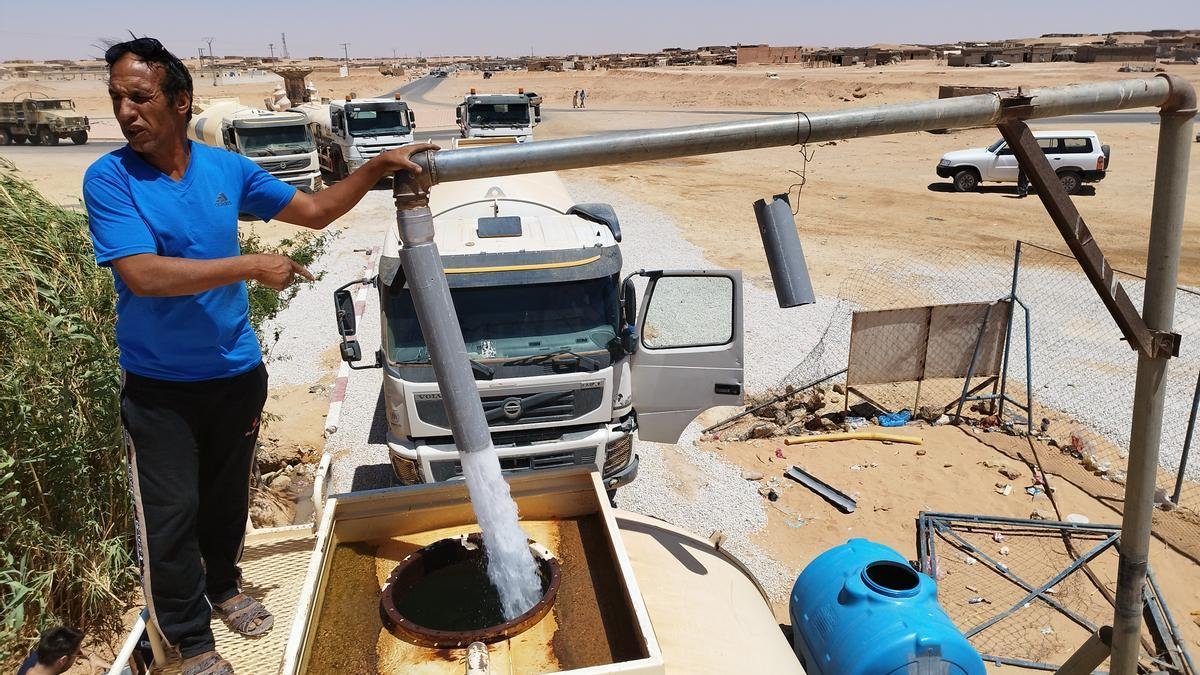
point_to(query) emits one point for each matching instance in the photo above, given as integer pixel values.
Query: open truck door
(689, 352)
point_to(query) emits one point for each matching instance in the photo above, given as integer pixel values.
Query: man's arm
(150, 275)
(318, 210)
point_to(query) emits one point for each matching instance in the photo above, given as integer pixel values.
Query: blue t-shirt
(135, 208)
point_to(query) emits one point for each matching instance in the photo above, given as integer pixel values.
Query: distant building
(767, 55)
(1110, 53)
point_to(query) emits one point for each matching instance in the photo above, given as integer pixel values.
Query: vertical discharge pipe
(1158, 310)
(785, 255)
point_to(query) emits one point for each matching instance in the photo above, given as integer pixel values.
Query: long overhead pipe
(779, 130)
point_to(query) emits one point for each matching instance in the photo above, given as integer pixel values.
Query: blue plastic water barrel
(860, 608)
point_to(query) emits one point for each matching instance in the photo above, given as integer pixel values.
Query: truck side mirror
(351, 351)
(629, 338)
(343, 304)
(537, 114)
(412, 120)
(458, 116)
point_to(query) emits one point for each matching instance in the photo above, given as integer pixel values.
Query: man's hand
(399, 159)
(278, 271)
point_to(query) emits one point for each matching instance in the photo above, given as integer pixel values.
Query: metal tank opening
(440, 596)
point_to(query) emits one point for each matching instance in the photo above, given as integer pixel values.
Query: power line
(271, 46)
(346, 52)
(283, 38)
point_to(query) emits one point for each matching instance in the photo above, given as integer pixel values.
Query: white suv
(1076, 156)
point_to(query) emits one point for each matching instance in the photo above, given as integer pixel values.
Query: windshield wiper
(539, 358)
(483, 369)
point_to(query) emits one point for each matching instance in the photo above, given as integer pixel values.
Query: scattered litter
(779, 453)
(921, 452)
(978, 599)
(845, 503)
(856, 422)
(896, 419)
(1011, 474)
(947, 466)
(1041, 515)
(997, 537)
(768, 492)
(1046, 630)
(972, 588)
(1077, 518)
(882, 508)
(1004, 488)
(856, 467)
(1003, 550)
(1033, 491)
(854, 436)
(968, 561)
(752, 475)
(941, 420)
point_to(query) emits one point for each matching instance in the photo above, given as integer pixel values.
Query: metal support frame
(962, 398)
(1165, 633)
(1187, 443)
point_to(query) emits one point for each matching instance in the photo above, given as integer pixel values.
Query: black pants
(190, 447)
(1022, 183)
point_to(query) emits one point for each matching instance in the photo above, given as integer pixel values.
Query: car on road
(1077, 157)
(998, 63)
(534, 99)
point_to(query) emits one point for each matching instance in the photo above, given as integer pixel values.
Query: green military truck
(41, 121)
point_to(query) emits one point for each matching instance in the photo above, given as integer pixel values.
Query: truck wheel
(34, 139)
(5, 138)
(79, 137)
(47, 137)
(966, 180)
(1070, 182)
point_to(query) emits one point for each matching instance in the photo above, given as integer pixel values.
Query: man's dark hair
(57, 643)
(176, 78)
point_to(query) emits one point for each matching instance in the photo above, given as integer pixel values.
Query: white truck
(566, 367)
(279, 142)
(497, 115)
(350, 132)
(1076, 156)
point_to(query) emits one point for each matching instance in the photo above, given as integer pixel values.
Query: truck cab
(567, 365)
(42, 121)
(278, 141)
(495, 115)
(349, 133)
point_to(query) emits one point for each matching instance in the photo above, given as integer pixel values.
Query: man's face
(150, 121)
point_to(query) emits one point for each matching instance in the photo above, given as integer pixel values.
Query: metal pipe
(1158, 308)
(121, 660)
(1090, 655)
(781, 130)
(439, 325)
(1187, 442)
(785, 255)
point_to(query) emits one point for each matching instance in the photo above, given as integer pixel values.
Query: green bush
(66, 551)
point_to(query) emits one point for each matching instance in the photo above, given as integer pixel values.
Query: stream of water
(511, 567)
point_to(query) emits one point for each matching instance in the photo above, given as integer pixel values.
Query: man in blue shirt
(163, 215)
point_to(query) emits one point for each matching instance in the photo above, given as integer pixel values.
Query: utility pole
(283, 38)
(346, 53)
(271, 46)
(212, 62)
(393, 53)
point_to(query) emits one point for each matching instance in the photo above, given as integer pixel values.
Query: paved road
(415, 91)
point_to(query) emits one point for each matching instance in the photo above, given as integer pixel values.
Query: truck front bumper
(946, 171)
(624, 476)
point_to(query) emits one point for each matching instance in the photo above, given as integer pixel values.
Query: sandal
(241, 612)
(208, 663)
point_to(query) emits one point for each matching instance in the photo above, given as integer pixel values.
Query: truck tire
(5, 138)
(47, 137)
(1071, 182)
(79, 137)
(34, 139)
(966, 180)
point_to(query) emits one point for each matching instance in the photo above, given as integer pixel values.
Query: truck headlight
(944, 162)
(616, 455)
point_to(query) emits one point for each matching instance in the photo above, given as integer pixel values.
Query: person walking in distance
(582, 98)
(163, 214)
(575, 99)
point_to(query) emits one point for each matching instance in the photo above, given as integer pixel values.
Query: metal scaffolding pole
(1158, 310)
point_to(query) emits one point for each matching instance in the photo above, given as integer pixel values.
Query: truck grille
(285, 165)
(452, 468)
(507, 410)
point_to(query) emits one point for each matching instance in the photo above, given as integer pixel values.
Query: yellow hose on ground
(853, 436)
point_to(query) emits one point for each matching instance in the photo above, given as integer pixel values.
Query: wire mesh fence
(1029, 593)
(1063, 345)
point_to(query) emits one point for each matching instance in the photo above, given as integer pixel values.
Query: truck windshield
(507, 322)
(292, 139)
(499, 115)
(378, 121)
(54, 105)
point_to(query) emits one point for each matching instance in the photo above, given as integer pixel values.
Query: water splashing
(511, 567)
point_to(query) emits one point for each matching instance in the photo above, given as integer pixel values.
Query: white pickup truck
(1076, 156)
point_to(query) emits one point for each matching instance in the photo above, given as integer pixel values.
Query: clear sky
(48, 29)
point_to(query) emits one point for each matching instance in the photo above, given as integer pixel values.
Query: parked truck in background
(41, 121)
(350, 132)
(567, 368)
(494, 115)
(279, 142)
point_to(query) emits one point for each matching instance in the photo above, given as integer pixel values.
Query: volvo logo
(512, 408)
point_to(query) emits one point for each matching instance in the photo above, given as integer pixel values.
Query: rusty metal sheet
(887, 346)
